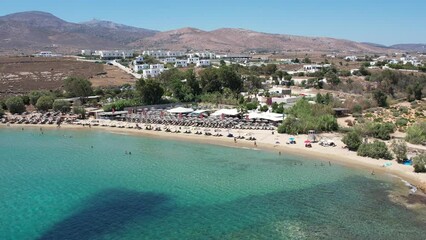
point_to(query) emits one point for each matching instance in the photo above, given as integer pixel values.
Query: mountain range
(28, 32)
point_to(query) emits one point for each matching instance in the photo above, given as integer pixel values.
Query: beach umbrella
(307, 141)
(291, 139)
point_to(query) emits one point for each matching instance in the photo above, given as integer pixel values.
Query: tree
(416, 134)
(26, 99)
(150, 91)
(417, 91)
(78, 87)
(399, 148)
(1, 112)
(62, 106)
(44, 103)
(15, 105)
(269, 69)
(210, 80)
(230, 79)
(380, 97)
(419, 163)
(35, 95)
(352, 140)
(376, 149)
(288, 77)
(332, 78)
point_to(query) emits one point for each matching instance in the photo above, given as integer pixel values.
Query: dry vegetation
(20, 75)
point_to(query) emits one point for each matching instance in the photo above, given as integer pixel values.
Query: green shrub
(416, 134)
(79, 110)
(357, 109)
(264, 108)
(1, 112)
(26, 99)
(3, 104)
(15, 105)
(419, 163)
(44, 103)
(376, 150)
(401, 122)
(304, 116)
(353, 140)
(62, 106)
(251, 105)
(376, 130)
(399, 148)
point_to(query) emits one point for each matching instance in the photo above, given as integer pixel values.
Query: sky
(378, 21)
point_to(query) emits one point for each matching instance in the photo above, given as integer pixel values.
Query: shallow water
(56, 186)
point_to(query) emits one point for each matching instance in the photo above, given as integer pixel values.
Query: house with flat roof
(203, 63)
(181, 63)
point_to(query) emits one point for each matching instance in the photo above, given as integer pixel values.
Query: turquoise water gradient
(56, 186)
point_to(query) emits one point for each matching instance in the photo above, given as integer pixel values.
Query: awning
(226, 112)
(180, 110)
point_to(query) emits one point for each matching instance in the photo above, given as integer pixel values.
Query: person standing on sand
(235, 140)
(255, 144)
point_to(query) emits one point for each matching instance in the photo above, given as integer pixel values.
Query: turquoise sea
(81, 185)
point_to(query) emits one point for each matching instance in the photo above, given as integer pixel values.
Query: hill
(410, 47)
(28, 32)
(34, 31)
(242, 40)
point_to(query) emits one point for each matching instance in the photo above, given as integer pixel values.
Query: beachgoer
(329, 163)
(255, 144)
(235, 140)
(279, 153)
(372, 173)
(130, 153)
(91, 146)
(22, 129)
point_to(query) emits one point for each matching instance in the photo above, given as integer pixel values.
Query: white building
(103, 54)
(140, 67)
(351, 58)
(181, 63)
(155, 53)
(138, 60)
(169, 60)
(152, 72)
(206, 55)
(162, 54)
(279, 91)
(192, 60)
(44, 54)
(174, 54)
(393, 61)
(312, 68)
(156, 66)
(86, 52)
(203, 63)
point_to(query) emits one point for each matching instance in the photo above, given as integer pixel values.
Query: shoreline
(266, 141)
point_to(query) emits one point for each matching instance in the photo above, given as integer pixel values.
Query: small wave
(413, 189)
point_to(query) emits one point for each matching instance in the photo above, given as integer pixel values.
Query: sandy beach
(265, 140)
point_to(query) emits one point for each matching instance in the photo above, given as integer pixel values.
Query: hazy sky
(379, 21)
